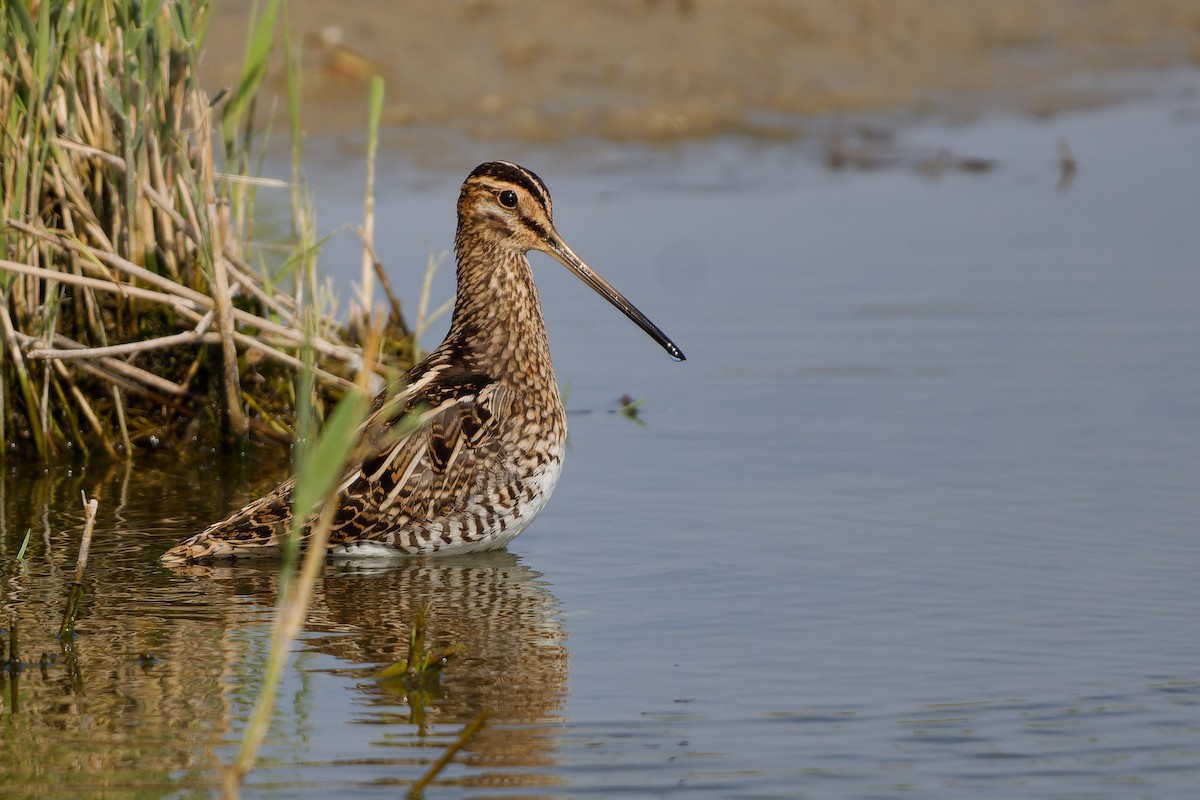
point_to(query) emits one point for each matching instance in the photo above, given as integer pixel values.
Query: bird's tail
(251, 532)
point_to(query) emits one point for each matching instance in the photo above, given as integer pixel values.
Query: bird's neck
(498, 317)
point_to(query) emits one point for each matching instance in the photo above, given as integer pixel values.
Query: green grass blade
(260, 40)
(324, 462)
(24, 544)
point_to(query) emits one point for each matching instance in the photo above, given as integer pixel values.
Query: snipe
(488, 449)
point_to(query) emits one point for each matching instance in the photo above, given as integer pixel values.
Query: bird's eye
(508, 198)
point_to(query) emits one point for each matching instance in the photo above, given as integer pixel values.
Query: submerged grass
(417, 677)
(136, 306)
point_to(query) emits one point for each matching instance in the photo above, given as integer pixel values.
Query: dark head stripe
(511, 173)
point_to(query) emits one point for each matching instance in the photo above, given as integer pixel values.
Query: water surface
(917, 518)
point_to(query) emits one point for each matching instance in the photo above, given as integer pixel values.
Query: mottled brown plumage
(487, 450)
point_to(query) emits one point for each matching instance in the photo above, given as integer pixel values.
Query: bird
(481, 430)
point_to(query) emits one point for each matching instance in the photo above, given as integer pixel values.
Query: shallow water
(916, 518)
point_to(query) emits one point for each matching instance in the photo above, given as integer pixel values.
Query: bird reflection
(497, 613)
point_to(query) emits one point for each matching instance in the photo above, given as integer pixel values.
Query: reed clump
(136, 306)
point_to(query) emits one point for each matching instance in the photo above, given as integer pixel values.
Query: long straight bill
(558, 249)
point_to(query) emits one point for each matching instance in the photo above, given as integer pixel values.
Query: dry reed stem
(127, 289)
(112, 368)
(174, 392)
(241, 273)
(218, 231)
(175, 340)
(397, 315)
(85, 544)
(344, 353)
(122, 426)
(18, 360)
(75, 594)
(184, 307)
(98, 256)
(198, 335)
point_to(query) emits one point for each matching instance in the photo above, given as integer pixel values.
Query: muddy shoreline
(678, 70)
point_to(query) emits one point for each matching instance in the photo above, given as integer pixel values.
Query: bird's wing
(414, 487)
(449, 448)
